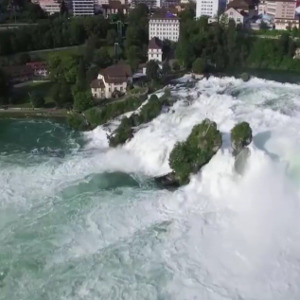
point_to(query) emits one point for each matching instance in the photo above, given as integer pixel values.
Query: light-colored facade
(114, 7)
(83, 7)
(282, 13)
(155, 51)
(261, 9)
(50, 6)
(111, 81)
(208, 8)
(155, 54)
(164, 28)
(233, 14)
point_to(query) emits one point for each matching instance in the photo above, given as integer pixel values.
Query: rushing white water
(68, 231)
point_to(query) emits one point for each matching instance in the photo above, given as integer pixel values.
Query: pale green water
(55, 241)
(80, 221)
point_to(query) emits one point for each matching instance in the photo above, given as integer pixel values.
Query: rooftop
(97, 83)
(240, 4)
(155, 43)
(163, 15)
(116, 73)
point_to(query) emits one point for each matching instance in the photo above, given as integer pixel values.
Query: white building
(164, 27)
(238, 17)
(83, 7)
(111, 82)
(155, 51)
(50, 6)
(208, 8)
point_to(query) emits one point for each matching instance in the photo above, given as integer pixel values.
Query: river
(79, 220)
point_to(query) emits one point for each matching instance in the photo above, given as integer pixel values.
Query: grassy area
(21, 93)
(40, 55)
(44, 54)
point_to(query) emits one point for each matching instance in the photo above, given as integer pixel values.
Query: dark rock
(168, 181)
(245, 77)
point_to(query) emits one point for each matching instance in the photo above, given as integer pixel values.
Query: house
(111, 81)
(19, 74)
(238, 17)
(282, 12)
(39, 69)
(155, 51)
(83, 7)
(114, 7)
(164, 26)
(209, 8)
(246, 6)
(50, 6)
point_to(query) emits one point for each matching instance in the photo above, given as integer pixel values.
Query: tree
(63, 8)
(152, 70)
(4, 88)
(176, 66)
(198, 66)
(166, 70)
(241, 136)
(36, 100)
(102, 58)
(188, 157)
(133, 56)
(83, 101)
(111, 37)
(63, 67)
(61, 94)
(263, 26)
(89, 49)
(81, 84)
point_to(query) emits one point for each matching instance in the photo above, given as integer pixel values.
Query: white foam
(229, 236)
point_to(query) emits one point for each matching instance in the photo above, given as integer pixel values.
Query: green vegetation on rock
(241, 136)
(100, 115)
(147, 113)
(123, 133)
(188, 157)
(198, 66)
(245, 77)
(77, 121)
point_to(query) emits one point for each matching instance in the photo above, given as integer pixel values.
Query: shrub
(77, 121)
(37, 100)
(122, 133)
(188, 157)
(83, 101)
(241, 136)
(98, 116)
(198, 66)
(176, 66)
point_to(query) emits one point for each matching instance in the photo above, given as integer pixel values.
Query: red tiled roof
(155, 43)
(116, 73)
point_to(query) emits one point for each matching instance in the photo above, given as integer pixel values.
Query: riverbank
(33, 113)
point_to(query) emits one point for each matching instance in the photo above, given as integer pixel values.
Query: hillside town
(86, 49)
